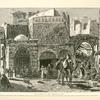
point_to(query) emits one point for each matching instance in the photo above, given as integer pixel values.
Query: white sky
(6, 16)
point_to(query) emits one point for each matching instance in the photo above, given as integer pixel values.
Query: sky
(6, 13)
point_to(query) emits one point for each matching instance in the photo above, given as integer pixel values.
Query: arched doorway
(84, 52)
(48, 61)
(84, 59)
(47, 57)
(22, 63)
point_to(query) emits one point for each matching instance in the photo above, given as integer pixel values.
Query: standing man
(43, 72)
(58, 68)
(82, 70)
(67, 70)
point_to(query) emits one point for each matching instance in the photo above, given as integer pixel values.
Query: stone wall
(94, 28)
(50, 33)
(56, 49)
(14, 30)
(31, 46)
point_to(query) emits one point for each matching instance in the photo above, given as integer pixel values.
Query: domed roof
(21, 37)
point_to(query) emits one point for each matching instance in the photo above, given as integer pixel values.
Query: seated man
(5, 82)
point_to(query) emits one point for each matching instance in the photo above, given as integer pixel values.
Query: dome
(21, 37)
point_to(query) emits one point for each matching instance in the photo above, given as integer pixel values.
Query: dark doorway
(49, 58)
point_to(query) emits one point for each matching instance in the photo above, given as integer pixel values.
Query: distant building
(83, 25)
(43, 38)
(19, 18)
(39, 42)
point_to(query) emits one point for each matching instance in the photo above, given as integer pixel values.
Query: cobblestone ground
(38, 85)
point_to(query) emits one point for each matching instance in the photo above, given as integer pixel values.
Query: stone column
(11, 60)
(1, 61)
(38, 65)
(7, 57)
(34, 59)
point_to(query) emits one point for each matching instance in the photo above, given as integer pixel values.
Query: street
(38, 85)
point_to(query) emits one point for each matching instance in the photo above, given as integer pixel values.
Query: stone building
(19, 18)
(83, 25)
(42, 39)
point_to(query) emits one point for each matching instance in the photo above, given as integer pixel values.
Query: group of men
(65, 69)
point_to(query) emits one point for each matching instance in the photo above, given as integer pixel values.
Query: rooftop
(18, 12)
(51, 12)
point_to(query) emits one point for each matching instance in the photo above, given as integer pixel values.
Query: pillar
(11, 60)
(34, 60)
(7, 57)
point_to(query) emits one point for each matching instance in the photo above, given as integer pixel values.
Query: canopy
(21, 37)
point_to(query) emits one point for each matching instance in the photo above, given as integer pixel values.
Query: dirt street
(38, 85)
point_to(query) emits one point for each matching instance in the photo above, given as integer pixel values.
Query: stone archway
(77, 42)
(79, 39)
(84, 60)
(85, 50)
(48, 60)
(47, 57)
(22, 62)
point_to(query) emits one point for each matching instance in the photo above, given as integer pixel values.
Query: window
(84, 26)
(76, 22)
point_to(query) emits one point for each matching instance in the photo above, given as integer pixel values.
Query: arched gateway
(22, 62)
(47, 57)
(84, 51)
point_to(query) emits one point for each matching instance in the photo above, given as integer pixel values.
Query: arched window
(85, 26)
